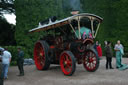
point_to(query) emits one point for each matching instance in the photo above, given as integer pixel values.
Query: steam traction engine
(68, 41)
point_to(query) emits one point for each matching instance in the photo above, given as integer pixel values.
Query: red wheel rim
(90, 61)
(66, 63)
(39, 56)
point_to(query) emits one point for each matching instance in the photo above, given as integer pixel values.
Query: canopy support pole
(92, 27)
(72, 28)
(79, 27)
(97, 29)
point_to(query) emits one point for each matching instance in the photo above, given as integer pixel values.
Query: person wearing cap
(20, 61)
(6, 59)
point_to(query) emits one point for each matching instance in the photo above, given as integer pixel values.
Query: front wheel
(67, 63)
(91, 60)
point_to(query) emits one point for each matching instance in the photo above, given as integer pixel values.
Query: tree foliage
(29, 13)
(7, 32)
(7, 6)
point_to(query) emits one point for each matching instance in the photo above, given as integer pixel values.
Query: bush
(13, 63)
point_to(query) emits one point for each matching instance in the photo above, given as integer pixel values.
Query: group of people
(84, 33)
(5, 59)
(119, 50)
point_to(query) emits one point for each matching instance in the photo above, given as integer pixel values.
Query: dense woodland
(30, 12)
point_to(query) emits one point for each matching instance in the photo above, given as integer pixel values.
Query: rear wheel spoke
(90, 61)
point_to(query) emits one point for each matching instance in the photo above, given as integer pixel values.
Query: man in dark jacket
(20, 61)
(109, 55)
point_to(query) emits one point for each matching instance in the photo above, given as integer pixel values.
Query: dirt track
(54, 76)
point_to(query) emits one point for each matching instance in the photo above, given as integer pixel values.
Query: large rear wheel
(67, 63)
(91, 60)
(41, 58)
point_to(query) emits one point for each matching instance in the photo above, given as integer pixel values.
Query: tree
(6, 30)
(6, 33)
(7, 6)
(29, 13)
(121, 20)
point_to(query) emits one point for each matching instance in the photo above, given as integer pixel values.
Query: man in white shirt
(6, 58)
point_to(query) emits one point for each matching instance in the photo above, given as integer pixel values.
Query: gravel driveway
(54, 76)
